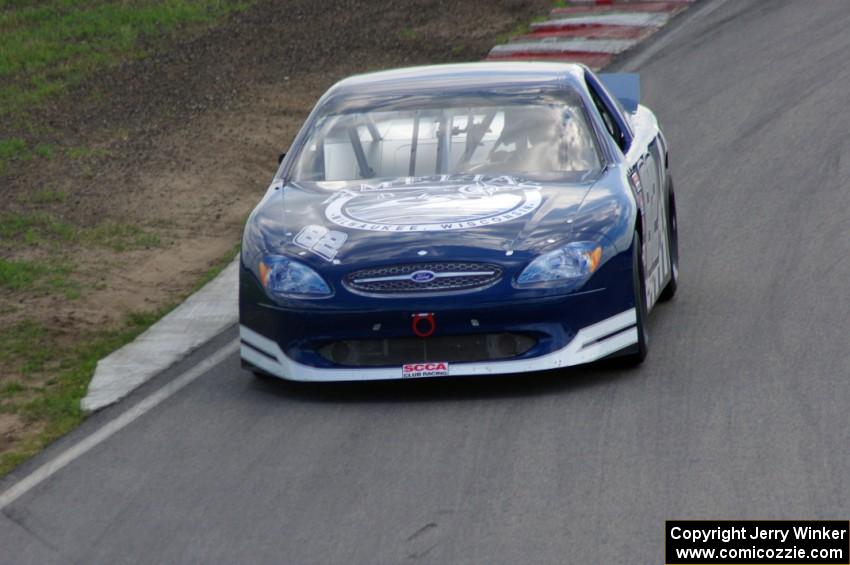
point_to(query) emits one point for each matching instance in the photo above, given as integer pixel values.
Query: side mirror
(280, 158)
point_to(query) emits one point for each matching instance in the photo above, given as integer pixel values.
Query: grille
(424, 277)
(451, 349)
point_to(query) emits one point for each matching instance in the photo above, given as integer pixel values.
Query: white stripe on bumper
(590, 343)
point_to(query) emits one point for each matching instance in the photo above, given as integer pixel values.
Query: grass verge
(35, 229)
(50, 408)
(47, 47)
(36, 276)
(53, 408)
(49, 44)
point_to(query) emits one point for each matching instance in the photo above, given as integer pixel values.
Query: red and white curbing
(592, 32)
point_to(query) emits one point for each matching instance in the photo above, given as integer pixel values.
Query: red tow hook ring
(426, 319)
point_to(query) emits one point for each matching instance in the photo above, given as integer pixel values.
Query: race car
(466, 219)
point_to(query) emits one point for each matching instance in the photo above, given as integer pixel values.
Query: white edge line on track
(112, 427)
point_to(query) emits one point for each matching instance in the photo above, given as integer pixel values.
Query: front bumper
(287, 340)
(590, 343)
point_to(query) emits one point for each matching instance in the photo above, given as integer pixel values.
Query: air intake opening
(453, 349)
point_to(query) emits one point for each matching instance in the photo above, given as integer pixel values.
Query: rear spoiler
(625, 87)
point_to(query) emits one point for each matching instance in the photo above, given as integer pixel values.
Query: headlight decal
(572, 264)
(284, 277)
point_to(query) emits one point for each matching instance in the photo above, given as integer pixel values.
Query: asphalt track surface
(740, 411)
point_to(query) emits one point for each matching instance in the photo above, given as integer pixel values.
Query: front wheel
(641, 348)
(669, 291)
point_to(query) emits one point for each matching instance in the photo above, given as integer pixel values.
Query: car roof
(461, 77)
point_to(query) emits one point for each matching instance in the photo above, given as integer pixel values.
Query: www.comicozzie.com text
(726, 534)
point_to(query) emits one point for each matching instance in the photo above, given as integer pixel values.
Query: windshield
(530, 136)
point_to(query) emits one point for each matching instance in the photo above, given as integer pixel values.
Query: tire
(669, 291)
(262, 375)
(641, 348)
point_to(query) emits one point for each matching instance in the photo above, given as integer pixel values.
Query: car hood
(433, 218)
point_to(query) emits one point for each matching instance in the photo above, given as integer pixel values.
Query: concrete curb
(564, 46)
(201, 317)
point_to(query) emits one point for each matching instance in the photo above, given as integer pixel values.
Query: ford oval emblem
(422, 276)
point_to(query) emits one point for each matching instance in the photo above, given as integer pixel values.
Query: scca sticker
(419, 370)
(434, 204)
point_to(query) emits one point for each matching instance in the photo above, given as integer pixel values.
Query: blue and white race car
(466, 219)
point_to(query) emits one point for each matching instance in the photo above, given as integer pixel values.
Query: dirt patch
(180, 147)
(10, 425)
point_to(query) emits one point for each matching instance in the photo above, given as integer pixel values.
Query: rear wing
(625, 87)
